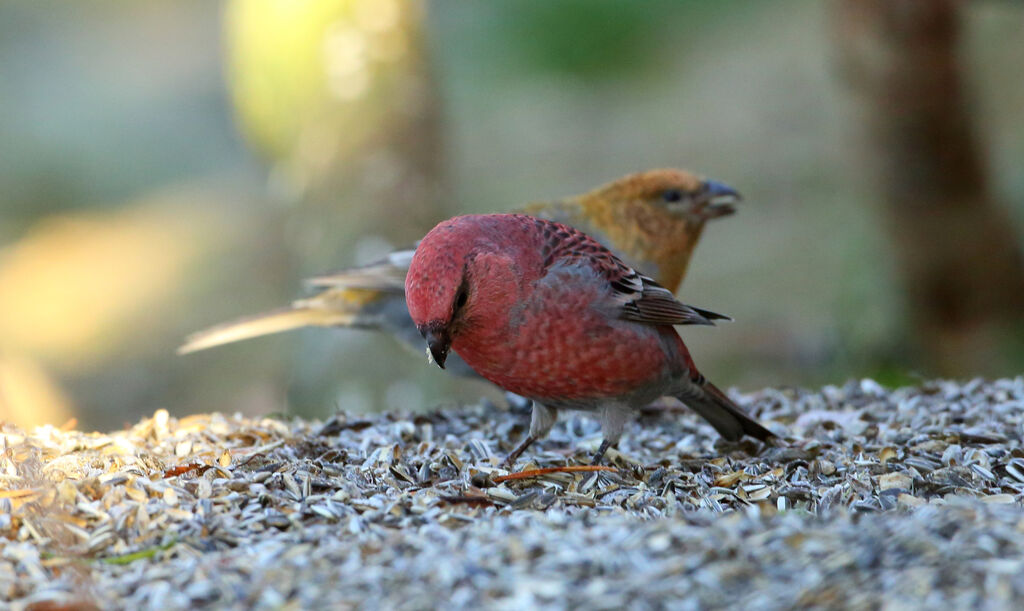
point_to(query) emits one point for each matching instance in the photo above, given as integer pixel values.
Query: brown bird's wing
(640, 298)
(387, 274)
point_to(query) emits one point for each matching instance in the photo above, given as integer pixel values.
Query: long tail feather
(276, 321)
(729, 419)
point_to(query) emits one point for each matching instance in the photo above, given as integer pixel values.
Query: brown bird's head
(652, 219)
(678, 193)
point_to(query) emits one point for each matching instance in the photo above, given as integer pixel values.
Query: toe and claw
(514, 455)
(510, 460)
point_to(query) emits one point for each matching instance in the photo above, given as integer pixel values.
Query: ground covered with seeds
(878, 498)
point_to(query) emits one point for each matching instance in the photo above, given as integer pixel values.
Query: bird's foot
(510, 460)
(599, 455)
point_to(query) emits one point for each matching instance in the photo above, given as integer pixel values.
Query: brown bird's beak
(715, 199)
(438, 343)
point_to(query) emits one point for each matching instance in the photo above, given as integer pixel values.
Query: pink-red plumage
(546, 312)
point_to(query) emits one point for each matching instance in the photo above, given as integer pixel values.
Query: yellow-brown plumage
(335, 307)
(628, 217)
(652, 220)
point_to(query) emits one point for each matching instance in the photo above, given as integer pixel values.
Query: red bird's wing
(644, 300)
(640, 298)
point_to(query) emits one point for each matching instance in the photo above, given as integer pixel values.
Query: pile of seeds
(876, 497)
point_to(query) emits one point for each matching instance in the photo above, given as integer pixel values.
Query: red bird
(546, 312)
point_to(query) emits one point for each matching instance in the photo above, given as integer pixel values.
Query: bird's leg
(517, 404)
(541, 421)
(614, 417)
(605, 444)
(510, 460)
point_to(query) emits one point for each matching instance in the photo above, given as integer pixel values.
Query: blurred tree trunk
(339, 97)
(955, 248)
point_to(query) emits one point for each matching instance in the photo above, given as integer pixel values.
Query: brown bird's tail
(330, 308)
(729, 419)
(367, 297)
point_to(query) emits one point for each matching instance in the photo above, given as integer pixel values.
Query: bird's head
(458, 262)
(678, 193)
(654, 219)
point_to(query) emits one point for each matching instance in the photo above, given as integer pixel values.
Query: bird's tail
(729, 419)
(330, 308)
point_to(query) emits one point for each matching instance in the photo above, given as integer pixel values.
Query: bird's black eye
(672, 195)
(460, 299)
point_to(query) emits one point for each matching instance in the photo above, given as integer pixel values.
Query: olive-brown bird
(652, 220)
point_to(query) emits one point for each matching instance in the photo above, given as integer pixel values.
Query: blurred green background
(167, 165)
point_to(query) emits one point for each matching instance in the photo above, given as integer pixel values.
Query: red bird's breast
(562, 343)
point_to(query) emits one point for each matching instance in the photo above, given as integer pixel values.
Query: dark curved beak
(438, 343)
(717, 199)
